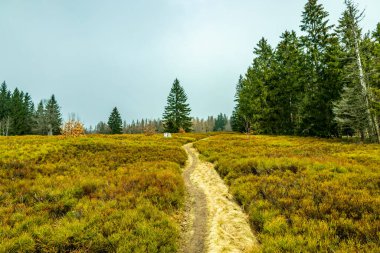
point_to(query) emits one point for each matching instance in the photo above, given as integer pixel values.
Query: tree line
(18, 115)
(324, 83)
(199, 125)
(176, 118)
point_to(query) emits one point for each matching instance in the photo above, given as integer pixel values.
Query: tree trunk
(50, 132)
(362, 136)
(7, 125)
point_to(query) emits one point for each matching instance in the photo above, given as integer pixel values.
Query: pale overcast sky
(95, 54)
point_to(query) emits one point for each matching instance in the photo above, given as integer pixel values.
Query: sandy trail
(213, 221)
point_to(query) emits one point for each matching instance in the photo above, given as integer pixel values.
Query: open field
(91, 194)
(303, 194)
(125, 193)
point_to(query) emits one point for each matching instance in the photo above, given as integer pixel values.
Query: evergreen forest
(324, 82)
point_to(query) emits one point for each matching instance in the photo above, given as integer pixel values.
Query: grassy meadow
(303, 194)
(120, 193)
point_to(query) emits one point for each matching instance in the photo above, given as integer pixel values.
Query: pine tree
(349, 112)
(177, 111)
(5, 114)
(114, 122)
(29, 120)
(18, 116)
(253, 96)
(4, 101)
(316, 107)
(53, 116)
(41, 122)
(286, 88)
(350, 35)
(220, 122)
(375, 77)
(315, 24)
(320, 84)
(237, 120)
(18, 112)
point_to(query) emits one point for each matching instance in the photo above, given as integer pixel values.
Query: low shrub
(303, 194)
(95, 193)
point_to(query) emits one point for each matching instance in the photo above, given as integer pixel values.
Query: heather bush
(303, 194)
(94, 193)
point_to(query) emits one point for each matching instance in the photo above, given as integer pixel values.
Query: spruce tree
(4, 101)
(177, 111)
(41, 124)
(355, 72)
(5, 114)
(350, 112)
(29, 120)
(53, 116)
(220, 122)
(375, 77)
(18, 112)
(114, 122)
(320, 91)
(287, 85)
(237, 119)
(315, 24)
(253, 96)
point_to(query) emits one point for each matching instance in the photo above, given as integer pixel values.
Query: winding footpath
(213, 222)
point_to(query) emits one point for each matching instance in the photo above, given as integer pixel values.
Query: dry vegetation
(91, 194)
(303, 194)
(73, 128)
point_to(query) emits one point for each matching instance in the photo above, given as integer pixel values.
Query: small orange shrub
(73, 128)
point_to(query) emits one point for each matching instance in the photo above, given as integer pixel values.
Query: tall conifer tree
(114, 122)
(358, 91)
(53, 116)
(287, 85)
(5, 105)
(18, 112)
(238, 123)
(41, 124)
(317, 105)
(220, 122)
(254, 93)
(29, 120)
(177, 110)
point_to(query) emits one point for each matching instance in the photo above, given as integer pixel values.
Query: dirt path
(213, 221)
